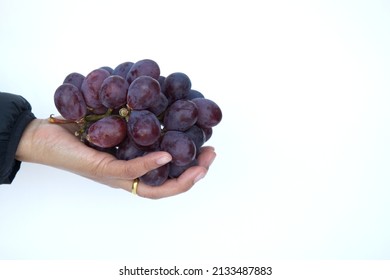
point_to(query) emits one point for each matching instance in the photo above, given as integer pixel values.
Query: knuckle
(130, 172)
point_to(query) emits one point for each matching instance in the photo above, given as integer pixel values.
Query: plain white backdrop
(303, 157)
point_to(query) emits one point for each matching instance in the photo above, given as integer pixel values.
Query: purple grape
(197, 135)
(143, 92)
(209, 113)
(160, 105)
(176, 86)
(91, 87)
(98, 111)
(122, 69)
(128, 150)
(69, 102)
(208, 132)
(111, 150)
(144, 127)
(161, 80)
(108, 69)
(151, 148)
(113, 92)
(75, 79)
(175, 170)
(145, 67)
(181, 115)
(194, 94)
(180, 146)
(156, 177)
(107, 132)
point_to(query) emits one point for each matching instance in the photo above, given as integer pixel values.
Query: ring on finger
(134, 186)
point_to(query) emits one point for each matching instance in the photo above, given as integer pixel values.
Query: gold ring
(134, 186)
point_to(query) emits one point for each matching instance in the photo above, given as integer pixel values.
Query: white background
(302, 170)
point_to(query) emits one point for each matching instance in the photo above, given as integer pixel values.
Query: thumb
(134, 168)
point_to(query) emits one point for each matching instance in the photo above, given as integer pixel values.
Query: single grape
(175, 170)
(194, 94)
(75, 79)
(208, 132)
(150, 148)
(108, 68)
(144, 67)
(156, 177)
(111, 150)
(91, 87)
(180, 146)
(161, 80)
(143, 92)
(98, 111)
(180, 115)
(209, 113)
(197, 135)
(107, 132)
(122, 69)
(159, 106)
(144, 127)
(113, 92)
(127, 150)
(69, 102)
(176, 86)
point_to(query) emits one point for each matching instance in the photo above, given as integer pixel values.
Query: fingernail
(199, 177)
(163, 160)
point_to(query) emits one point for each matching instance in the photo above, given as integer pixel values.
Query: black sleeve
(15, 115)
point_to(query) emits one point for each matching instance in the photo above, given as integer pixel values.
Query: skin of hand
(55, 145)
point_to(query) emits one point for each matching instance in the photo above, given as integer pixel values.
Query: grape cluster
(133, 110)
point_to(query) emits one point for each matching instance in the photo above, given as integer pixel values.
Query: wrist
(26, 149)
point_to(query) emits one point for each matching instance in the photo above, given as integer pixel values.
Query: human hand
(55, 145)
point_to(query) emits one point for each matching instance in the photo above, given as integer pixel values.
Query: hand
(55, 145)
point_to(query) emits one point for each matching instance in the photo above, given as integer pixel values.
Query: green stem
(93, 118)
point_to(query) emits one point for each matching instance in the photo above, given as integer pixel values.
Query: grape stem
(124, 112)
(82, 123)
(93, 118)
(87, 118)
(52, 119)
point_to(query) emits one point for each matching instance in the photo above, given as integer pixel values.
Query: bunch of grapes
(133, 110)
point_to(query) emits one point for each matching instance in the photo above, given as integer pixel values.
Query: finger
(185, 182)
(173, 186)
(206, 156)
(131, 169)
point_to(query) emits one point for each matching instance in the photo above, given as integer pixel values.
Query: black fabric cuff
(15, 115)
